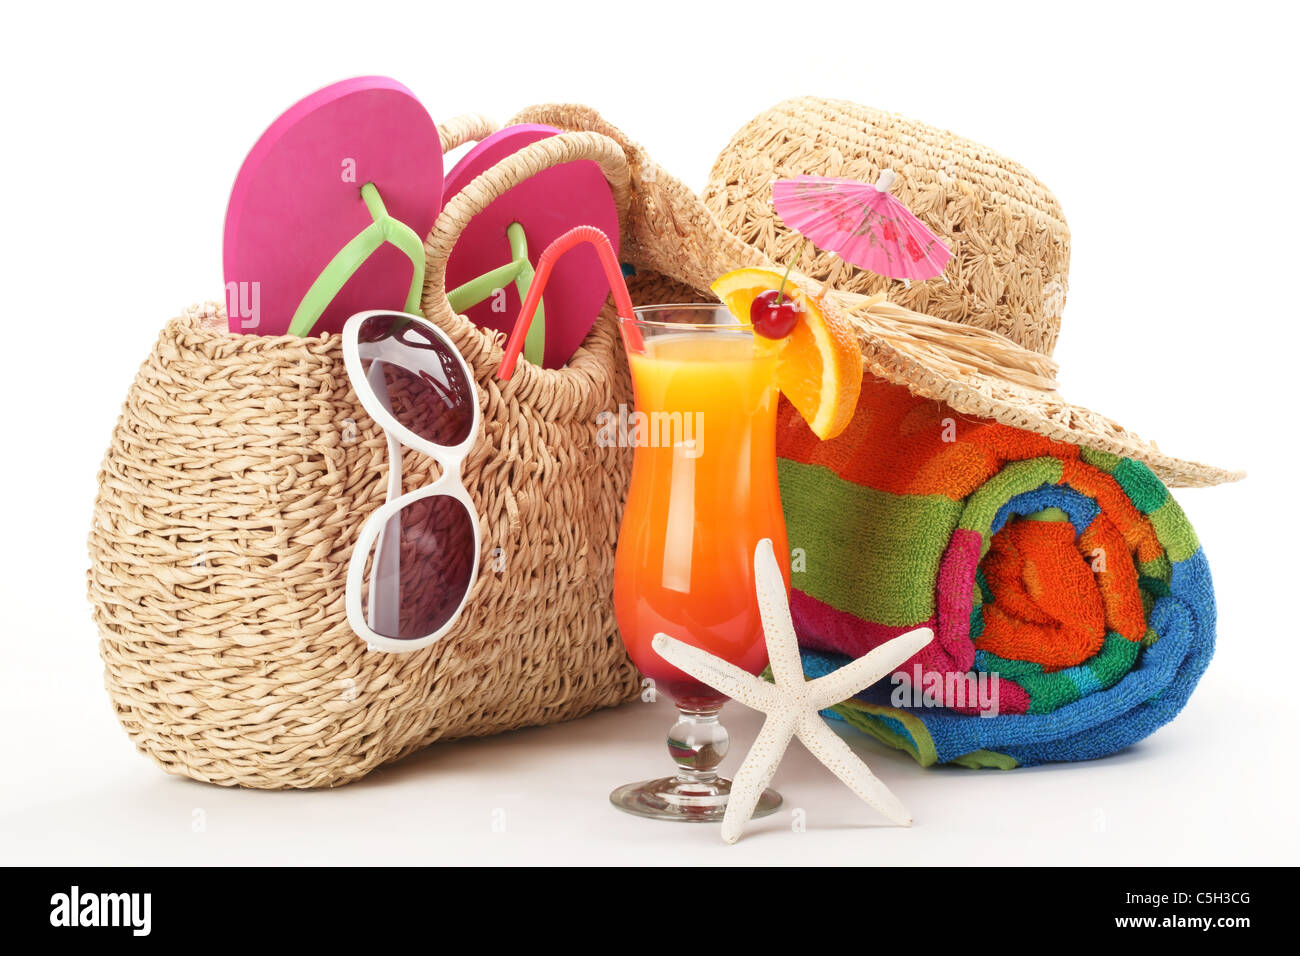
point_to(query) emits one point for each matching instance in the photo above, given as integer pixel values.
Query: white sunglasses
(414, 384)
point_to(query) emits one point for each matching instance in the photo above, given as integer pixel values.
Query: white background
(1167, 134)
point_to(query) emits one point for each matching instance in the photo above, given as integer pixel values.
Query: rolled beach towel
(1072, 605)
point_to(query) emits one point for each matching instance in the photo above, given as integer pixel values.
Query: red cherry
(770, 320)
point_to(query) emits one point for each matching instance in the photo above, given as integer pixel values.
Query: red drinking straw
(545, 262)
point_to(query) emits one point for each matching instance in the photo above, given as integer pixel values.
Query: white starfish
(792, 703)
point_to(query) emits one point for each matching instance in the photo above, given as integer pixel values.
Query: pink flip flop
(328, 213)
(495, 253)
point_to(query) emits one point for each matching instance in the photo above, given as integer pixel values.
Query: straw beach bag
(238, 477)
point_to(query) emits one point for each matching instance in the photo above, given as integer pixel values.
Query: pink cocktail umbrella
(862, 222)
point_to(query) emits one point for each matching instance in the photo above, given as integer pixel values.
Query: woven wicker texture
(238, 476)
(651, 288)
(1010, 243)
(978, 372)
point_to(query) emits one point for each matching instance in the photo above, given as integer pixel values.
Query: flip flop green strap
(344, 265)
(535, 343)
(519, 271)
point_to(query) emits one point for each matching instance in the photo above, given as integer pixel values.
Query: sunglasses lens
(419, 378)
(420, 569)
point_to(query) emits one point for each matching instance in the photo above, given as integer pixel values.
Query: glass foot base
(686, 801)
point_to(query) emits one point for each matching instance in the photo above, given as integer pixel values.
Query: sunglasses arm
(388, 548)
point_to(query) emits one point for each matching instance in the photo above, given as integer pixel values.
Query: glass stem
(698, 744)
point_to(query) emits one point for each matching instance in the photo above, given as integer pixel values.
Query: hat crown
(1008, 235)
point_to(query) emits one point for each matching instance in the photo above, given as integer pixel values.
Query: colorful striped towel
(1071, 602)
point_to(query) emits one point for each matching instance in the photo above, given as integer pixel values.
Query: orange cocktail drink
(703, 493)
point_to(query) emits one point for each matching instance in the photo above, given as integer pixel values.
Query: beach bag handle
(469, 128)
(489, 185)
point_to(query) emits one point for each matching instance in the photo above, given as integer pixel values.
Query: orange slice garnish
(819, 364)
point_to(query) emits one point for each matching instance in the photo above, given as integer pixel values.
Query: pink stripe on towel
(821, 627)
(955, 598)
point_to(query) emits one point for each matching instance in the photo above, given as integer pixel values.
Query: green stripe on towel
(883, 570)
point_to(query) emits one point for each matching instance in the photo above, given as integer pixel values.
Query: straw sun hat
(979, 339)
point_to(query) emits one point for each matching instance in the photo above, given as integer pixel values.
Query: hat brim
(668, 230)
